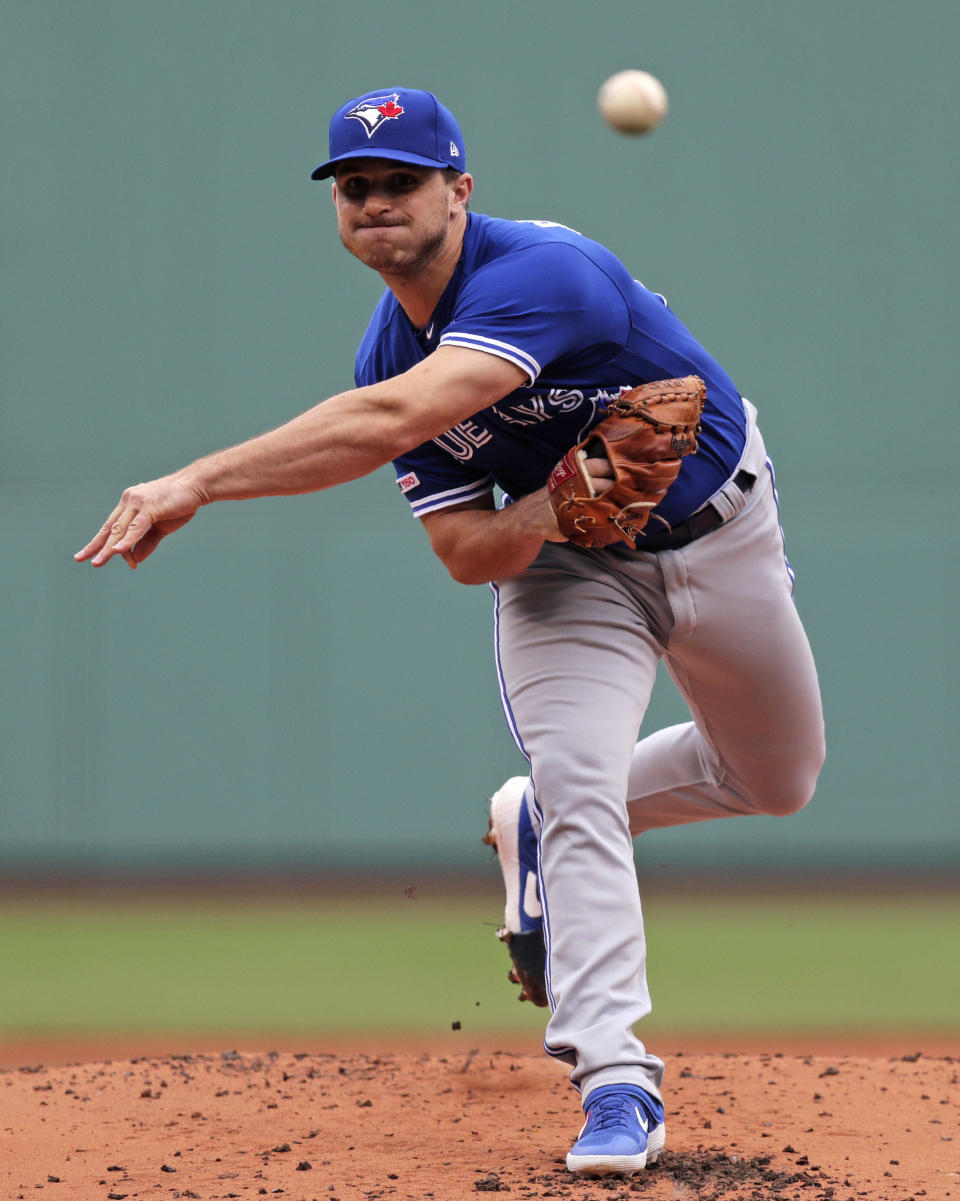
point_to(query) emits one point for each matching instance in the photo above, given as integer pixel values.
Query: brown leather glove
(644, 436)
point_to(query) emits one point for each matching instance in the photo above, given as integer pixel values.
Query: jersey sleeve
(431, 480)
(537, 305)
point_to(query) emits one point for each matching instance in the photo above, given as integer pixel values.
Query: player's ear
(333, 190)
(462, 189)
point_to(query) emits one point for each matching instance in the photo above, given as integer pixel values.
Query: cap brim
(325, 170)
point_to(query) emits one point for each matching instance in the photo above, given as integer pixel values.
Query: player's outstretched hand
(144, 515)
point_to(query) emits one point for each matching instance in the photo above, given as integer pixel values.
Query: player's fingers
(93, 545)
(125, 532)
(99, 539)
(599, 468)
(145, 547)
(600, 472)
(108, 546)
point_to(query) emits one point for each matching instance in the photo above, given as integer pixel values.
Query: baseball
(633, 101)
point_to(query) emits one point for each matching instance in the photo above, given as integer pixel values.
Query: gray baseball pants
(579, 635)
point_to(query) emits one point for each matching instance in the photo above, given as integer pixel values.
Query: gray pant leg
(577, 654)
(579, 637)
(740, 657)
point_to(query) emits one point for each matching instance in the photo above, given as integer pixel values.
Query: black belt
(702, 522)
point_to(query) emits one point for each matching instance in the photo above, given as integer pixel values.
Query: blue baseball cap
(395, 123)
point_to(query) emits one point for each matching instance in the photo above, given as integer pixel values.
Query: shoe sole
(620, 1165)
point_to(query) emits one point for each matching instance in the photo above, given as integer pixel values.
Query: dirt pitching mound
(316, 1127)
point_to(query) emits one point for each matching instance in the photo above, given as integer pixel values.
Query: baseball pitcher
(562, 436)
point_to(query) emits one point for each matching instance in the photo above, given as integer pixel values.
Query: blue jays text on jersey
(565, 310)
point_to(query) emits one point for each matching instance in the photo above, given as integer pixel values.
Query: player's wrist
(194, 479)
(542, 520)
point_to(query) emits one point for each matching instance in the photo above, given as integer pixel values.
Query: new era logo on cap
(400, 124)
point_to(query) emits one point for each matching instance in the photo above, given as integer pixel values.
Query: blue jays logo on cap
(371, 113)
(400, 124)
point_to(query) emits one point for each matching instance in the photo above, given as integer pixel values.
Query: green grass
(417, 965)
(844, 963)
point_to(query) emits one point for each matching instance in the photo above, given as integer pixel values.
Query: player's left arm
(341, 439)
(478, 543)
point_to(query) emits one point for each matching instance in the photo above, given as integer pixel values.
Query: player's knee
(786, 801)
(792, 788)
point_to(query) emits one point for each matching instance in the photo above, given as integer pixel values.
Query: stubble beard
(401, 262)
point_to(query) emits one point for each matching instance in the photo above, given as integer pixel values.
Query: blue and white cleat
(512, 835)
(624, 1132)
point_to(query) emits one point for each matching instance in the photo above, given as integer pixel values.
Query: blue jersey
(566, 311)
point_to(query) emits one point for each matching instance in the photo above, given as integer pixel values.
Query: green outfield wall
(297, 682)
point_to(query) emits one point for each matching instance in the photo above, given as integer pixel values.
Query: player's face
(395, 217)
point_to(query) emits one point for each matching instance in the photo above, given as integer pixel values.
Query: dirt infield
(331, 1127)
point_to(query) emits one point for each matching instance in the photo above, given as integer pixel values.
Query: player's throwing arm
(343, 438)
